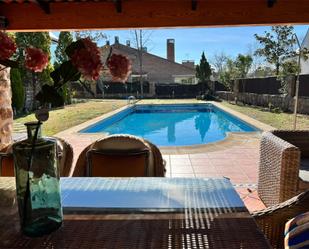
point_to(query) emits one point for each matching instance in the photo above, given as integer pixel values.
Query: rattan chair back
(132, 147)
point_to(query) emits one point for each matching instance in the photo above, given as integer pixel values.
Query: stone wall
(6, 112)
(285, 103)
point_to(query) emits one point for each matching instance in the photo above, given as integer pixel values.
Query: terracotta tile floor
(238, 162)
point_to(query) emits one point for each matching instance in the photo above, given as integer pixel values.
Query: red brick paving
(239, 164)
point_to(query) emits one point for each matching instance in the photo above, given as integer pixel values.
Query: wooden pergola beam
(152, 14)
(271, 3)
(44, 6)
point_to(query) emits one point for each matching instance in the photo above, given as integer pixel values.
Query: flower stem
(30, 159)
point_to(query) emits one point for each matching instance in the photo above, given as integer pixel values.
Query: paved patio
(236, 158)
(239, 163)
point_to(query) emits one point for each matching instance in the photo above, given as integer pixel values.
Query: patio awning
(34, 15)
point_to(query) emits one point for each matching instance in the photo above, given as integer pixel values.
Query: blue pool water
(173, 125)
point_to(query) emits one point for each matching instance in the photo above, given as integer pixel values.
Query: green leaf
(49, 94)
(73, 46)
(55, 75)
(9, 63)
(68, 72)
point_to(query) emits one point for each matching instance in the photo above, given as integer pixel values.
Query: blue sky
(190, 43)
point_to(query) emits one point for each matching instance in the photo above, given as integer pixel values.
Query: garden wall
(118, 87)
(285, 103)
(271, 85)
(151, 90)
(177, 90)
(173, 90)
(304, 85)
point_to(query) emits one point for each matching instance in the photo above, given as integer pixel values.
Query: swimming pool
(172, 125)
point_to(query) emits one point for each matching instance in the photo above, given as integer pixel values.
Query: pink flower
(87, 60)
(36, 60)
(7, 46)
(119, 67)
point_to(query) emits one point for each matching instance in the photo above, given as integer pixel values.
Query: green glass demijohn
(37, 183)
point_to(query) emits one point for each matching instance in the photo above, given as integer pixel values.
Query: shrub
(65, 94)
(18, 91)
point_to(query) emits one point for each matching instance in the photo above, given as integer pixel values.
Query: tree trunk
(141, 63)
(141, 73)
(6, 112)
(277, 69)
(34, 83)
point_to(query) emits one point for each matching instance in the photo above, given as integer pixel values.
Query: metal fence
(118, 87)
(269, 85)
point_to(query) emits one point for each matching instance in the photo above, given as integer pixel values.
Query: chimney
(107, 42)
(170, 49)
(116, 40)
(188, 63)
(128, 43)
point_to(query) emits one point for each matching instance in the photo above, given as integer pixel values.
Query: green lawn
(75, 114)
(277, 120)
(72, 115)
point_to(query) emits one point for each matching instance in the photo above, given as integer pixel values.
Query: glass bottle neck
(31, 129)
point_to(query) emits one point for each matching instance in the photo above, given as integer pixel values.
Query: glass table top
(147, 194)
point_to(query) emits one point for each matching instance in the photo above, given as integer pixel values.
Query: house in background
(156, 69)
(304, 64)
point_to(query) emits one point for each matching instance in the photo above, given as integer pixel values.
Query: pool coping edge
(232, 138)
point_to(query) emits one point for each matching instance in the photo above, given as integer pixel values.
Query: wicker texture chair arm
(159, 162)
(80, 167)
(66, 160)
(299, 138)
(272, 220)
(278, 169)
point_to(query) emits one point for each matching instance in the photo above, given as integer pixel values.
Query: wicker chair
(6, 162)
(283, 169)
(121, 151)
(272, 220)
(65, 157)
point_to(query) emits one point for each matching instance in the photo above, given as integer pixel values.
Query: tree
(40, 40)
(263, 71)
(288, 68)
(64, 40)
(277, 45)
(141, 38)
(94, 35)
(229, 74)
(203, 70)
(258, 62)
(234, 69)
(219, 61)
(243, 64)
(18, 91)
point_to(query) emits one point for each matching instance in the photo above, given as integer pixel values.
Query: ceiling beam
(118, 6)
(194, 4)
(152, 14)
(270, 3)
(4, 22)
(44, 5)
